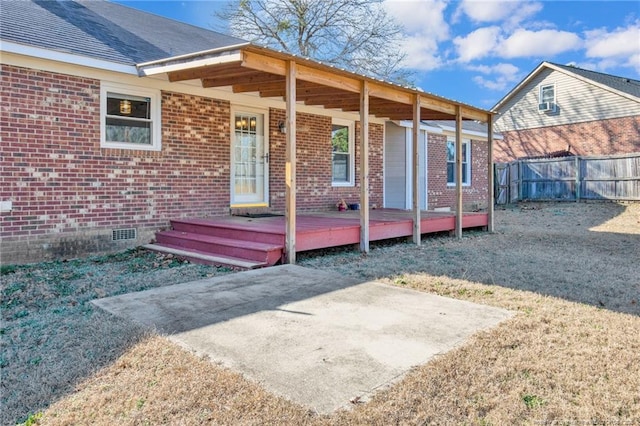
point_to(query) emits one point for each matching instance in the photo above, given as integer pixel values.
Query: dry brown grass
(570, 356)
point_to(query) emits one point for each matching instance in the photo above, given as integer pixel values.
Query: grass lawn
(571, 355)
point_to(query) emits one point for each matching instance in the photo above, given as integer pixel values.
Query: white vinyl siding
(395, 167)
(576, 102)
(398, 167)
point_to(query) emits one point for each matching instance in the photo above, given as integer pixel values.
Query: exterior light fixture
(282, 126)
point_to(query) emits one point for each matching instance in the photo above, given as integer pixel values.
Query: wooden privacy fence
(613, 177)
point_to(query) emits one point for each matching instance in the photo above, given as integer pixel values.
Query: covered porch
(253, 242)
(296, 83)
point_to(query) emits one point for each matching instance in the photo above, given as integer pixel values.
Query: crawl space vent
(124, 234)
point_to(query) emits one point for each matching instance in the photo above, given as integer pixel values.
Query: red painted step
(250, 250)
(260, 233)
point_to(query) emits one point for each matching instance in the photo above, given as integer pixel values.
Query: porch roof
(248, 68)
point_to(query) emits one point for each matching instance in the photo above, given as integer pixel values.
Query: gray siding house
(560, 108)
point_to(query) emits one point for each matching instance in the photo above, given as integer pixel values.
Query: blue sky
(476, 51)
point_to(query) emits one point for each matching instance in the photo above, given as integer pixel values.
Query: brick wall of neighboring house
(68, 194)
(605, 137)
(313, 152)
(440, 195)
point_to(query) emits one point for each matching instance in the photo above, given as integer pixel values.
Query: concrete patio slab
(314, 337)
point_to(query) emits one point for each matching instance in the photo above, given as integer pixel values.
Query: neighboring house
(560, 108)
(114, 121)
(437, 187)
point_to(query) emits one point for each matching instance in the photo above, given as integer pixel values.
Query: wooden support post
(415, 168)
(290, 165)
(459, 212)
(364, 167)
(490, 174)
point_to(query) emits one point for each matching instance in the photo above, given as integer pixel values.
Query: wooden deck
(260, 241)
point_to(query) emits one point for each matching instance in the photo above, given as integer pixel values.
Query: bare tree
(357, 35)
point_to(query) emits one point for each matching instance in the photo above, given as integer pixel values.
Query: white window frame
(155, 115)
(553, 102)
(466, 163)
(351, 126)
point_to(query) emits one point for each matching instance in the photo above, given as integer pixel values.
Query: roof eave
(202, 58)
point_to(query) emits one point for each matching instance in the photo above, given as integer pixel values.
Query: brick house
(436, 148)
(113, 121)
(559, 108)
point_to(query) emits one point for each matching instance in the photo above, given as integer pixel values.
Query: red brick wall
(606, 137)
(68, 194)
(313, 152)
(441, 195)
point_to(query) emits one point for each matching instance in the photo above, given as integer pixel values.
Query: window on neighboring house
(130, 117)
(547, 98)
(342, 157)
(451, 162)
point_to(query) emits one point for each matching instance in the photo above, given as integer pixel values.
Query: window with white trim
(342, 153)
(129, 117)
(547, 98)
(451, 162)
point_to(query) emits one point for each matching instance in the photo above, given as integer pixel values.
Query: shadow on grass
(53, 337)
(547, 248)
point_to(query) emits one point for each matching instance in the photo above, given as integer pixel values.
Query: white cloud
(500, 76)
(544, 43)
(620, 42)
(425, 27)
(477, 44)
(420, 16)
(511, 12)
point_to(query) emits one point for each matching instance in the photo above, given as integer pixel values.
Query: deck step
(208, 259)
(261, 234)
(249, 250)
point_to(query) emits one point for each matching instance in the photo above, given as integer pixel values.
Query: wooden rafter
(262, 70)
(278, 83)
(227, 79)
(204, 72)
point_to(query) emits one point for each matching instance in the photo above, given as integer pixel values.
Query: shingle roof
(103, 30)
(623, 84)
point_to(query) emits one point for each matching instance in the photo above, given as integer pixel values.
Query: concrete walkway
(314, 337)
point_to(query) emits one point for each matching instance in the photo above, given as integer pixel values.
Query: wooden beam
(490, 174)
(364, 167)
(229, 79)
(333, 99)
(277, 84)
(290, 165)
(405, 111)
(260, 62)
(390, 93)
(328, 78)
(437, 105)
(202, 72)
(472, 114)
(273, 93)
(415, 167)
(459, 212)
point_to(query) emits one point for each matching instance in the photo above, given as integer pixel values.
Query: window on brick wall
(129, 117)
(342, 153)
(451, 162)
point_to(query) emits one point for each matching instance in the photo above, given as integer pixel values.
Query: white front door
(249, 159)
